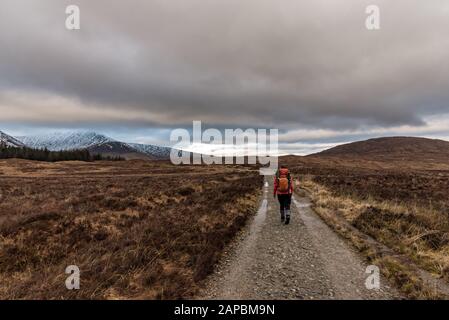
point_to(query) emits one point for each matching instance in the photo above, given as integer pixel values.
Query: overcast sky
(309, 68)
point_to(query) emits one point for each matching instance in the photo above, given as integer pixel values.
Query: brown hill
(403, 153)
(394, 148)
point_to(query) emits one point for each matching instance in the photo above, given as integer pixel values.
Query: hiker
(283, 188)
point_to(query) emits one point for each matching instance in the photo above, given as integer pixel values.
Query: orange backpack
(283, 180)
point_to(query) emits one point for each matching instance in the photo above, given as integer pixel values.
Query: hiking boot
(282, 216)
(287, 218)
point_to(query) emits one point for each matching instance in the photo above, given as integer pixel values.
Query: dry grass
(393, 205)
(417, 232)
(136, 229)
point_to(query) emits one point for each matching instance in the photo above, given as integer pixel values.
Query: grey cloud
(309, 64)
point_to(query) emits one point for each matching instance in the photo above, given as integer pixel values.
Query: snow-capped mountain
(65, 140)
(10, 141)
(96, 143)
(152, 150)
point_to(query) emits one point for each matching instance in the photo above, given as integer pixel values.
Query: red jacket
(276, 191)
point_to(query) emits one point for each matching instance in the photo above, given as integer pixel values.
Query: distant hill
(393, 151)
(403, 153)
(391, 147)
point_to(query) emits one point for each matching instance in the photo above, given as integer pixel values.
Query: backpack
(283, 180)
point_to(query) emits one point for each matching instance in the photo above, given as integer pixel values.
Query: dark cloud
(289, 64)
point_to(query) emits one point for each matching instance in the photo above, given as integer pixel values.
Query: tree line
(8, 152)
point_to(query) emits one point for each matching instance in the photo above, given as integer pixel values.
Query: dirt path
(302, 260)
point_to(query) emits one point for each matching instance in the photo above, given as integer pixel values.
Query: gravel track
(302, 260)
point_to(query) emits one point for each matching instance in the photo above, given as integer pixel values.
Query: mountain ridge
(65, 140)
(96, 143)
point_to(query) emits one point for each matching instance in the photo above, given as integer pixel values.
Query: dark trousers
(284, 201)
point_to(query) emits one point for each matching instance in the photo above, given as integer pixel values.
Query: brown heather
(393, 206)
(136, 229)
